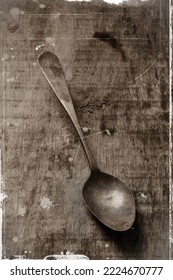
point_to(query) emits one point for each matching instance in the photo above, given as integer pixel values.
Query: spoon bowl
(110, 200)
(107, 197)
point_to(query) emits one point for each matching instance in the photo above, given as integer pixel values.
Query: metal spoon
(107, 197)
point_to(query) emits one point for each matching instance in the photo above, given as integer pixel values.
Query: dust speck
(143, 196)
(11, 80)
(22, 211)
(106, 245)
(42, 6)
(108, 132)
(46, 203)
(15, 239)
(39, 47)
(70, 159)
(14, 11)
(85, 129)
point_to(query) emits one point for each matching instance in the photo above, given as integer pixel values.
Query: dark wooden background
(120, 90)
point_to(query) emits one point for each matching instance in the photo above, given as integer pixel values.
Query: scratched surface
(115, 59)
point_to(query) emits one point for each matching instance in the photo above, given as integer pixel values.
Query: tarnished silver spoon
(107, 197)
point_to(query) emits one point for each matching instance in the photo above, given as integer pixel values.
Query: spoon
(107, 197)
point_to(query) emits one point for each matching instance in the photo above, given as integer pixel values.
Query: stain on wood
(120, 92)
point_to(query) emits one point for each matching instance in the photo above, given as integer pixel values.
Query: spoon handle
(52, 70)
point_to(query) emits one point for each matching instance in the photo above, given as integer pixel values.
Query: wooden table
(115, 59)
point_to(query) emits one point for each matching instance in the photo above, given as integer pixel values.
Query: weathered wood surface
(120, 91)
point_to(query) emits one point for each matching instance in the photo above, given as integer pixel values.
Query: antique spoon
(107, 197)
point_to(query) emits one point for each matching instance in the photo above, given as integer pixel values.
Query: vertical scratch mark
(170, 130)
